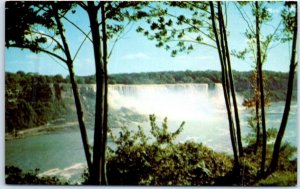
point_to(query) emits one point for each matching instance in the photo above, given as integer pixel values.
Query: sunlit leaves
(174, 53)
(267, 39)
(120, 13)
(199, 38)
(175, 31)
(162, 135)
(31, 24)
(139, 160)
(262, 12)
(140, 29)
(240, 54)
(169, 23)
(288, 16)
(180, 19)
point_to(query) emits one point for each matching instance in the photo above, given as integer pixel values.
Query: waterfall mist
(200, 106)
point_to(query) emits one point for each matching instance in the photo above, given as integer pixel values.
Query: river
(202, 108)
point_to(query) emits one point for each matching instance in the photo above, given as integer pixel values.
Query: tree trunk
(80, 118)
(105, 122)
(288, 100)
(231, 84)
(96, 177)
(261, 89)
(257, 112)
(223, 55)
(225, 90)
(75, 91)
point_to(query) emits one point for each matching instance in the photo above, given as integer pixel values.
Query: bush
(158, 160)
(14, 175)
(280, 178)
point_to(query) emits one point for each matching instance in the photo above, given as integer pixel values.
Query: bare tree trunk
(75, 90)
(96, 177)
(225, 90)
(223, 54)
(231, 84)
(261, 87)
(80, 118)
(288, 100)
(257, 112)
(105, 62)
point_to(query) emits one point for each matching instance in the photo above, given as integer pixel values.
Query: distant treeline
(32, 100)
(242, 80)
(274, 81)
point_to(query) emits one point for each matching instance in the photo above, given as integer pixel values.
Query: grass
(279, 178)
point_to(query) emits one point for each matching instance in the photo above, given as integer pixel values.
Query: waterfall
(132, 90)
(176, 101)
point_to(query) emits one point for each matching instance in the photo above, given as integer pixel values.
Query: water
(203, 110)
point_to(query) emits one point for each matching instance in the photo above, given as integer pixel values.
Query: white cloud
(273, 11)
(136, 56)
(192, 58)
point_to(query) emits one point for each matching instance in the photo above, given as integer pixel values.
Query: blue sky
(135, 53)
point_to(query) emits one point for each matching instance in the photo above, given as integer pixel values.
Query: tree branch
(268, 43)
(192, 41)
(243, 14)
(51, 37)
(82, 5)
(120, 35)
(171, 15)
(86, 37)
(37, 49)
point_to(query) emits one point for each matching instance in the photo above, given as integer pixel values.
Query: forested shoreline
(40, 96)
(276, 82)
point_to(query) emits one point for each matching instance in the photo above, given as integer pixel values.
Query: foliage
(276, 81)
(250, 164)
(288, 16)
(32, 25)
(280, 178)
(14, 175)
(177, 32)
(158, 160)
(250, 167)
(31, 101)
(250, 138)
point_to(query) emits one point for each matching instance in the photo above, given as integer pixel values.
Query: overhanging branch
(37, 49)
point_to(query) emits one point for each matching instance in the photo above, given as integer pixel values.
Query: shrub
(14, 175)
(158, 160)
(280, 178)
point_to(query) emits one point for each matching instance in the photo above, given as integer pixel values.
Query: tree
(223, 59)
(97, 174)
(22, 17)
(290, 18)
(259, 47)
(108, 11)
(261, 86)
(162, 29)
